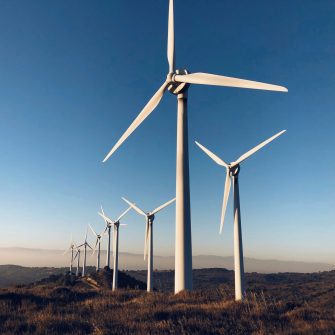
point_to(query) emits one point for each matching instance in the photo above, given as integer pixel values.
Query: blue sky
(74, 74)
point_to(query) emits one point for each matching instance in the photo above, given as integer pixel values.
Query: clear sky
(74, 75)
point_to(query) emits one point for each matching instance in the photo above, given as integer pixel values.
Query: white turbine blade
(215, 158)
(212, 79)
(103, 214)
(258, 147)
(170, 46)
(123, 224)
(138, 210)
(67, 250)
(225, 199)
(123, 214)
(89, 246)
(146, 111)
(93, 230)
(95, 247)
(146, 238)
(76, 255)
(106, 218)
(102, 210)
(163, 206)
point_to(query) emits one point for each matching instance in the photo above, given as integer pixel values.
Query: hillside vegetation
(275, 304)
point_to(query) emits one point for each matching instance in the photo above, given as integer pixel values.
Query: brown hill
(281, 304)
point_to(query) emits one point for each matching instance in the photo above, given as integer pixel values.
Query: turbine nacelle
(234, 169)
(150, 218)
(177, 87)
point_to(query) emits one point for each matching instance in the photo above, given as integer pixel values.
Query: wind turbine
(98, 244)
(71, 247)
(233, 170)
(78, 259)
(85, 245)
(178, 82)
(148, 238)
(116, 224)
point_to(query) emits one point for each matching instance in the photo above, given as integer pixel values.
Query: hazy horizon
(130, 261)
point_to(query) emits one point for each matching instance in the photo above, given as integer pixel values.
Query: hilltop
(286, 303)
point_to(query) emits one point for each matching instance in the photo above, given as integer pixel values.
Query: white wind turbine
(85, 245)
(78, 259)
(178, 82)
(233, 170)
(98, 244)
(71, 248)
(116, 224)
(148, 238)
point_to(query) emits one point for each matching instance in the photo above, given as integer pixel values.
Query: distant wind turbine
(85, 245)
(148, 238)
(116, 224)
(97, 244)
(178, 82)
(77, 255)
(233, 170)
(71, 247)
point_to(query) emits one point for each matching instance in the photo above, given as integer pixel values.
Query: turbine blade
(212, 79)
(163, 206)
(123, 214)
(96, 243)
(102, 210)
(67, 250)
(76, 255)
(146, 111)
(123, 224)
(256, 148)
(138, 210)
(92, 230)
(215, 158)
(170, 46)
(225, 199)
(106, 218)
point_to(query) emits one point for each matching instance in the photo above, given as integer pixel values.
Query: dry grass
(78, 310)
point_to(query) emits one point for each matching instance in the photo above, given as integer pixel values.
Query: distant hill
(55, 258)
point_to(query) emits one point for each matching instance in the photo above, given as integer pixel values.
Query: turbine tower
(71, 247)
(178, 82)
(116, 224)
(97, 244)
(233, 170)
(85, 245)
(148, 238)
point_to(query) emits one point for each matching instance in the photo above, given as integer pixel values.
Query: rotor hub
(174, 86)
(151, 218)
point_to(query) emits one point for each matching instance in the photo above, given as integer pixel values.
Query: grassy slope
(276, 304)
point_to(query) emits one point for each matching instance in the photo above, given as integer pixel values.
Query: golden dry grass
(46, 309)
